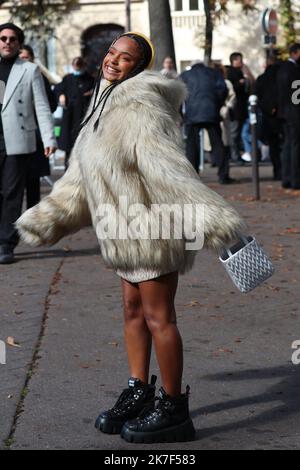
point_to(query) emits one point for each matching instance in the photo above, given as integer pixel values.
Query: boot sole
(9, 260)
(108, 426)
(181, 433)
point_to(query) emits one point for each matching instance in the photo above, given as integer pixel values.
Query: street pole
(201, 136)
(128, 15)
(253, 124)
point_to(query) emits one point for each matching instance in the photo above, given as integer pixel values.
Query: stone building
(92, 25)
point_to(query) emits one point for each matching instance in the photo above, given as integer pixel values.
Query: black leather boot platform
(169, 422)
(128, 406)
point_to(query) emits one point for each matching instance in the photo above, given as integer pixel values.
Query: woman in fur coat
(127, 162)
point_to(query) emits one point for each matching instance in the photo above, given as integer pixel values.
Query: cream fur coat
(137, 152)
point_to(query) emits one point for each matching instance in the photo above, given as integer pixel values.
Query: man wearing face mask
(23, 101)
(289, 113)
(74, 94)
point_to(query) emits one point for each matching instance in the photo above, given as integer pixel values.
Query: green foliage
(217, 7)
(288, 18)
(40, 17)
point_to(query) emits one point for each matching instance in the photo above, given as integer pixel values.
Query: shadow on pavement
(286, 391)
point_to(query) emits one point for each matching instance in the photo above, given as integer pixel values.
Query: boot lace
(163, 408)
(127, 400)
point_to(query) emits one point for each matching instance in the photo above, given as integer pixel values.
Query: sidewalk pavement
(63, 308)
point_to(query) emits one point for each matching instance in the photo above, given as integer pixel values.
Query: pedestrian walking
(289, 112)
(130, 147)
(39, 165)
(227, 108)
(242, 81)
(74, 93)
(207, 92)
(24, 100)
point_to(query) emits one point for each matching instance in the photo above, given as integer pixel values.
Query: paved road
(63, 307)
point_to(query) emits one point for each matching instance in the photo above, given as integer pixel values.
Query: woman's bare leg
(138, 338)
(159, 310)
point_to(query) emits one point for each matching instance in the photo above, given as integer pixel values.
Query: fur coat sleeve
(61, 213)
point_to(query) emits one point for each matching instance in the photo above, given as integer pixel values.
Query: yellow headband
(150, 43)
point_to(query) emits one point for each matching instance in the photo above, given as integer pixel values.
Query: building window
(194, 4)
(178, 5)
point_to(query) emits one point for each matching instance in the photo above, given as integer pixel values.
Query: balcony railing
(185, 20)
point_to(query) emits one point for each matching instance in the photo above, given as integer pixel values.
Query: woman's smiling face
(122, 57)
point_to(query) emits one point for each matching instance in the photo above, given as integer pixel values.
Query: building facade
(235, 31)
(92, 25)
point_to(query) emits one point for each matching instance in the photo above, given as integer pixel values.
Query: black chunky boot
(128, 406)
(169, 422)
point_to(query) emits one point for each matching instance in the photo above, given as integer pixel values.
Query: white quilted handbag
(247, 264)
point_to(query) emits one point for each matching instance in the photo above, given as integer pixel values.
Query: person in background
(169, 69)
(242, 80)
(227, 107)
(73, 94)
(207, 92)
(246, 136)
(24, 101)
(270, 129)
(38, 163)
(289, 112)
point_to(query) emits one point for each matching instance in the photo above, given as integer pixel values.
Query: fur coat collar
(137, 156)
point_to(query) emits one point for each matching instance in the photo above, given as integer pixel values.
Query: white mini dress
(140, 275)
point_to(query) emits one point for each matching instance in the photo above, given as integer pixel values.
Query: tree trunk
(209, 27)
(40, 8)
(161, 31)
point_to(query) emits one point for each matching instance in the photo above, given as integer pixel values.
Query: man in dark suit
(207, 92)
(242, 81)
(270, 132)
(289, 113)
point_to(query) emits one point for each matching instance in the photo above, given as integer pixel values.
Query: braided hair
(146, 58)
